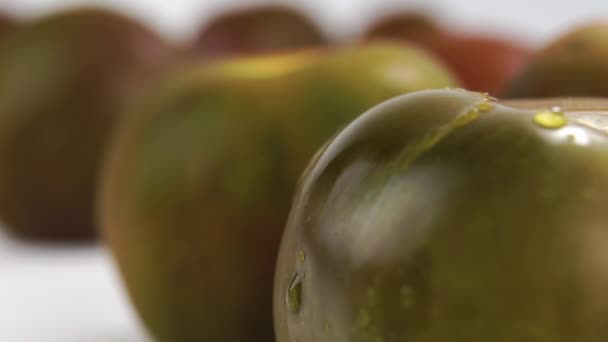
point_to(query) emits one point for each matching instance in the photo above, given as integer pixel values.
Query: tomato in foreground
(448, 216)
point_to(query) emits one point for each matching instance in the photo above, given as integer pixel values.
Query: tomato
(197, 186)
(448, 216)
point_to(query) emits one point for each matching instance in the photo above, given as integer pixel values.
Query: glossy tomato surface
(446, 216)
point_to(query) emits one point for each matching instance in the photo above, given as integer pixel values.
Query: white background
(533, 20)
(73, 294)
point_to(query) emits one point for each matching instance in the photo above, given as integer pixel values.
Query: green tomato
(446, 216)
(197, 186)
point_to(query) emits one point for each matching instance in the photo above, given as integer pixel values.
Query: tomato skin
(66, 80)
(259, 30)
(197, 186)
(574, 64)
(438, 217)
(7, 24)
(481, 62)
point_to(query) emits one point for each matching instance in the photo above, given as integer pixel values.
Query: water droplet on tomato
(294, 293)
(551, 118)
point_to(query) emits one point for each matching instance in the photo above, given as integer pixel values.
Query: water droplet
(551, 119)
(488, 97)
(302, 256)
(407, 297)
(294, 293)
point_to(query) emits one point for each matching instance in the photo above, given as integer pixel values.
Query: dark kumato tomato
(447, 216)
(257, 30)
(575, 64)
(65, 82)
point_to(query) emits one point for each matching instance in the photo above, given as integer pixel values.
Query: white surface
(62, 294)
(74, 294)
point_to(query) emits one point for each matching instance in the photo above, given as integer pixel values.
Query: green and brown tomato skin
(7, 24)
(265, 29)
(64, 82)
(416, 27)
(575, 64)
(198, 185)
(444, 216)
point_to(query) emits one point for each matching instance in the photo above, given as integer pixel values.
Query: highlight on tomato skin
(448, 215)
